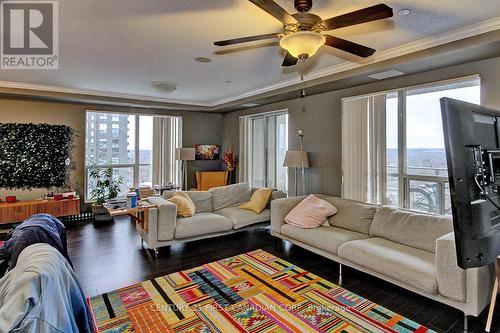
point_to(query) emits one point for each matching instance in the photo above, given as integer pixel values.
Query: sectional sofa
(414, 251)
(217, 214)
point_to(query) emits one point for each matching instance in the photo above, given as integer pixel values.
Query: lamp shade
(184, 154)
(302, 44)
(296, 159)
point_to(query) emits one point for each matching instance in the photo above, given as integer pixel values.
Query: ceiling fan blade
(275, 10)
(289, 60)
(348, 46)
(369, 14)
(246, 39)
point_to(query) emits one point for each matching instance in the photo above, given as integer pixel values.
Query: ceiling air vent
(249, 105)
(386, 74)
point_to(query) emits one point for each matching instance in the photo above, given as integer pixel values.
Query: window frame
(135, 166)
(405, 179)
(266, 116)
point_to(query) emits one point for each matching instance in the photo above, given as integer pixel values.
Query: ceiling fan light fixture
(302, 44)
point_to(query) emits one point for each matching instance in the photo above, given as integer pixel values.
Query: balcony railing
(420, 188)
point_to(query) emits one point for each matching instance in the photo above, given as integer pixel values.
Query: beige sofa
(216, 214)
(414, 251)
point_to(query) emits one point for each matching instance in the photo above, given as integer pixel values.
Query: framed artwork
(207, 152)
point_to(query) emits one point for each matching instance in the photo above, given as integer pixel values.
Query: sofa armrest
(451, 278)
(166, 219)
(279, 209)
(471, 286)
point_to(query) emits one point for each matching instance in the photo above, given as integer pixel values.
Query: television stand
(494, 295)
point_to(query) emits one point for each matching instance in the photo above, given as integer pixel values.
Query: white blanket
(41, 294)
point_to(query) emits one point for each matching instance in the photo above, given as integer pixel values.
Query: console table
(21, 210)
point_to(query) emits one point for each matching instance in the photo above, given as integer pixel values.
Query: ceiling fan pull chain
(303, 90)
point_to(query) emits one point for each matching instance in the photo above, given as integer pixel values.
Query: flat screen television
(472, 142)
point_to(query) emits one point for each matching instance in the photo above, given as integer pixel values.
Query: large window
(397, 140)
(127, 142)
(263, 147)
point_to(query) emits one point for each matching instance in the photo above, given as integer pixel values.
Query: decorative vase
(10, 198)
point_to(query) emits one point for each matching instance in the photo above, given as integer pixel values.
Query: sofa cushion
(231, 195)
(351, 215)
(243, 217)
(202, 200)
(403, 263)
(413, 229)
(201, 224)
(325, 238)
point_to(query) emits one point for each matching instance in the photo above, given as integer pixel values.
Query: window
(393, 147)
(263, 145)
(129, 147)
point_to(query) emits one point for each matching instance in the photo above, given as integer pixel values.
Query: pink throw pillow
(310, 213)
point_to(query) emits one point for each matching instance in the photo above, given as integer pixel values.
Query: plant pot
(101, 213)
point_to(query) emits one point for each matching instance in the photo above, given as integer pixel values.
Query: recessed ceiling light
(203, 59)
(404, 12)
(163, 86)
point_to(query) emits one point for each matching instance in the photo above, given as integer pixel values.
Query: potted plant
(105, 187)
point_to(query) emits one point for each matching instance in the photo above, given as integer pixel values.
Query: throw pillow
(258, 201)
(185, 206)
(310, 213)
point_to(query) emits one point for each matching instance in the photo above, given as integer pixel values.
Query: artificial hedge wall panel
(35, 155)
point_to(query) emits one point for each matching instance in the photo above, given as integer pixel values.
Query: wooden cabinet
(19, 211)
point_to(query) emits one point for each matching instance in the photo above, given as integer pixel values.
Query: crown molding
(405, 49)
(72, 91)
(412, 47)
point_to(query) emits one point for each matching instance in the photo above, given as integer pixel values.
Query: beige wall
(319, 117)
(197, 128)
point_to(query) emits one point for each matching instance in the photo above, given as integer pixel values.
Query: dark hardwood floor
(109, 256)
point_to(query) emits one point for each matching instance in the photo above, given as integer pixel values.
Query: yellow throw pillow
(258, 201)
(185, 206)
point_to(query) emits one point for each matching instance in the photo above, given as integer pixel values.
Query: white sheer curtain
(245, 150)
(363, 148)
(167, 137)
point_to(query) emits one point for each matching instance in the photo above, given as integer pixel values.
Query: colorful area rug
(252, 292)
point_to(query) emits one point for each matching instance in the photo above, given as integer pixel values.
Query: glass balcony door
(269, 144)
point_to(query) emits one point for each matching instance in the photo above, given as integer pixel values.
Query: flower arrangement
(230, 160)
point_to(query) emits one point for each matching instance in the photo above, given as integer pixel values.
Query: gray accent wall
(319, 116)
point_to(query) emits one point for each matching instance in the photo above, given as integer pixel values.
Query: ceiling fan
(301, 36)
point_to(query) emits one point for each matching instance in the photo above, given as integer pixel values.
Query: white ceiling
(120, 46)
